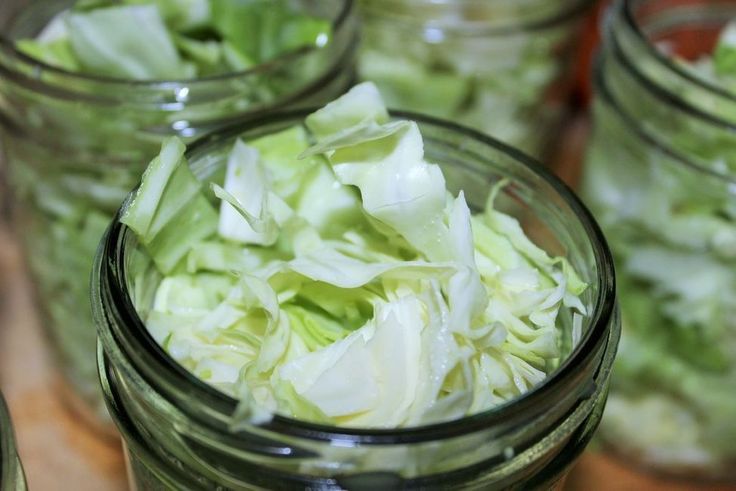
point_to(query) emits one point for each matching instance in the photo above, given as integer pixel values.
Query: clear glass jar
(11, 472)
(76, 144)
(505, 67)
(175, 426)
(661, 178)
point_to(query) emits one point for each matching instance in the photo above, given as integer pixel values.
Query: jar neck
(643, 75)
(471, 18)
(532, 439)
(261, 457)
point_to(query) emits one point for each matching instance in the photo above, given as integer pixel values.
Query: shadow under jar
(660, 177)
(75, 144)
(176, 427)
(11, 471)
(504, 67)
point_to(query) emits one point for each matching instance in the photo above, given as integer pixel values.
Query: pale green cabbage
(342, 283)
(173, 40)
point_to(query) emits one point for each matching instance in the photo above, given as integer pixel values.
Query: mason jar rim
(559, 384)
(8, 45)
(630, 18)
(627, 9)
(603, 91)
(475, 29)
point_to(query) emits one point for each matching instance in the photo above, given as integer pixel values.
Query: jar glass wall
(504, 67)
(176, 428)
(75, 144)
(11, 471)
(661, 178)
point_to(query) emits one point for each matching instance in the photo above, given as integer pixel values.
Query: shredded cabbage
(386, 305)
(173, 40)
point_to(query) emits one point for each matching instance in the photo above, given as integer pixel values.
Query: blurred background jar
(76, 143)
(11, 471)
(177, 428)
(505, 67)
(660, 177)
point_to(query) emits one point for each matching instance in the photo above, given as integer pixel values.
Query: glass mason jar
(504, 67)
(176, 427)
(661, 178)
(11, 472)
(76, 144)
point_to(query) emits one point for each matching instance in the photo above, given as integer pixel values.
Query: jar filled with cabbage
(661, 179)
(353, 299)
(90, 89)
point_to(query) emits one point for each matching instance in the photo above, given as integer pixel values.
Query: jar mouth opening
(340, 20)
(602, 89)
(470, 29)
(565, 380)
(629, 13)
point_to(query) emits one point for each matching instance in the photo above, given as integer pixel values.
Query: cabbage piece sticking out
(129, 42)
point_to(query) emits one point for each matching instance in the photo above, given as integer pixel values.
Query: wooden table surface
(59, 452)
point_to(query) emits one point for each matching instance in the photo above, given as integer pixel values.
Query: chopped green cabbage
(173, 40)
(473, 64)
(673, 233)
(338, 250)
